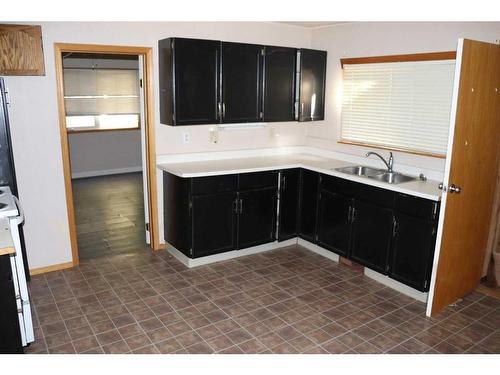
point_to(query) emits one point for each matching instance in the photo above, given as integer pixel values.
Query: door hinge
(147, 227)
(140, 83)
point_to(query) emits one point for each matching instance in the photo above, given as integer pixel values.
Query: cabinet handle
(284, 182)
(220, 109)
(223, 110)
(241, 206)
(394, 227)
(235, 206)
(349, 218)
(353, 214)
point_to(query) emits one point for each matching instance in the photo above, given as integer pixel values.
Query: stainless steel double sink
(376, 174)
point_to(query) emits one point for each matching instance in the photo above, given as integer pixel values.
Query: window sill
(408, 151)
(97, 130)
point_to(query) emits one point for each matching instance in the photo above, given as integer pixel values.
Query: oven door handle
(18, 219)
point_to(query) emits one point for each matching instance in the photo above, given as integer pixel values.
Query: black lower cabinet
(10, 336)
(214, 223)
(256, 217)
(371, 235)
(289, 204)
(334, 226)
(412, 251)
(309, 181)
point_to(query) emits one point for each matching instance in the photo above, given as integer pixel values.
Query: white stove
(11, 209)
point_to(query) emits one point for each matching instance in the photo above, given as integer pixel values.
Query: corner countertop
(6, 243)
(423, 189)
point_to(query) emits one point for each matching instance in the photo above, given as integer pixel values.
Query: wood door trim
(447, 55)
(147, 53)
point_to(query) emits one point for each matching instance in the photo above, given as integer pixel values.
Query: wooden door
(471, 165)
(308, 211)
(312, 85)
(214, 223)
(289, 204)
(241, 82)
(256, 217)
(196, 65)
(279, 84)
(334, 222)
(372, 230)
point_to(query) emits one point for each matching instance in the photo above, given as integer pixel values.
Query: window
(101, 94)
(398, 105)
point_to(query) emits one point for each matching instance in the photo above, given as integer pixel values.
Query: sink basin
(392, 178)
(360, 170)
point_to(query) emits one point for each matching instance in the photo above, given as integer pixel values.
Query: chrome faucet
(388, 163)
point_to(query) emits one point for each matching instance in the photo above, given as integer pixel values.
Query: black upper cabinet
(210, 82)
(309, 181)
(312, 85)
(241, 82)
(371, 235)
(289, 204)
(334, 225)
(189, 77)
(279, 83)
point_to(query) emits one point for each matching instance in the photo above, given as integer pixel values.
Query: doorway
(107, 139)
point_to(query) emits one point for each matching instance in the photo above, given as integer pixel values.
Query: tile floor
(284, 301)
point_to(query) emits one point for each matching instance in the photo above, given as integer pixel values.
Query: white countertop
(424, 189)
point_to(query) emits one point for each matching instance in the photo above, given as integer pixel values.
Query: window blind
(101, 91)
(404, 105)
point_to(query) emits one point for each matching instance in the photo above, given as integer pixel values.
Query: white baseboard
(106, 172)
(396, 285)
(190, 263)
(385, 280)
(318, 250)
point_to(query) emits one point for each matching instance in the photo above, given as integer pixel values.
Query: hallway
(109, 214)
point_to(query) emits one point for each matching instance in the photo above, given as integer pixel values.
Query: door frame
(149, 124)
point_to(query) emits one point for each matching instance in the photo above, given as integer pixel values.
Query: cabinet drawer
(258, 180)
(375, 195)
(416, 207)
(214, 184)
(338, 185)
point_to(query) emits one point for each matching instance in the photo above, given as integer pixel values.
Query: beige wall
(35, 128)
(383, 38)
(105, 152)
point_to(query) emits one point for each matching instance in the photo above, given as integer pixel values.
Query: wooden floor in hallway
(109, 214)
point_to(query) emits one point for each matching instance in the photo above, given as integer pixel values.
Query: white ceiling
(312, 24)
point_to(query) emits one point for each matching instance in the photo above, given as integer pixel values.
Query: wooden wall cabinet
(21, 50)
(213, 82)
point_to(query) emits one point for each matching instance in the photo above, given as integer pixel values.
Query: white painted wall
(35, 128)
(94, 154)
(360, 39)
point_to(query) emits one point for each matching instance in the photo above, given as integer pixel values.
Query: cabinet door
(289, 204)
(214, 223)
(257, 217)
(371, 235)
(241, 82)
(334, 227)
(412, 251)
(10, 336)
(308, 204)
(312, 85)
(279, 84)
(196, 67)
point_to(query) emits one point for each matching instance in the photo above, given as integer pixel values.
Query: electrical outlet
(185, 137)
